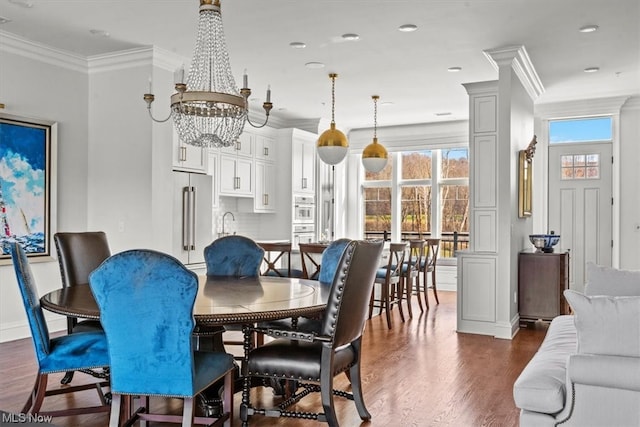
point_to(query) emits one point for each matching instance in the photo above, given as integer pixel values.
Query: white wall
(53, 86)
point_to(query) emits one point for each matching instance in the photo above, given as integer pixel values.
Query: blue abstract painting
(24, 186)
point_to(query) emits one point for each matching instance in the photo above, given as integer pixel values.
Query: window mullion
(436, 202)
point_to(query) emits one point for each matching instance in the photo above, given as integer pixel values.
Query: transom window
(590, 129)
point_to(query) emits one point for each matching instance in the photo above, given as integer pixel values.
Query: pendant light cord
(333, 97)
(375, 116)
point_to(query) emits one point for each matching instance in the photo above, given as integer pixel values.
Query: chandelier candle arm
(208, 110)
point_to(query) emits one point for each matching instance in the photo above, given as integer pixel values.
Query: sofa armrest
(605, 371)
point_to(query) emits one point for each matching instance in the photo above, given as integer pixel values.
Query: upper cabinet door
(265, 148)
(243, 147)
(236, 176)
(304, 166)
(188, 157)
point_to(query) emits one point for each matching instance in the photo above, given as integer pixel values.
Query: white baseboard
(19, 330)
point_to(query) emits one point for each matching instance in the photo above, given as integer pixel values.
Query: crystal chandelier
(208, 110)
(332, 143)
(374, 156)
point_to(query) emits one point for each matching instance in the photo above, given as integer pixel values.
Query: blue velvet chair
(146, 301)
(76, 352)
(235, 256)
(330, 259)
(314, 357)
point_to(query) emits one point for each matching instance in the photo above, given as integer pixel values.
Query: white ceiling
(406, 69)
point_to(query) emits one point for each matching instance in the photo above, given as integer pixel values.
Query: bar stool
(389, 277)
(410, 273)
(429, 266)
(275, 254)
(311, 263)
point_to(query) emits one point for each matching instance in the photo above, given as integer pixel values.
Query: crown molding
(123, 59)
(11, 43)
(581, 107)
(518, 59)
(633, 103)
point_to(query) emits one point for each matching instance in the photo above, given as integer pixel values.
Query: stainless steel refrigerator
(192, 207)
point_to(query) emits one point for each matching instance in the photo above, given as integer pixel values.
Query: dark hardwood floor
(420, 373)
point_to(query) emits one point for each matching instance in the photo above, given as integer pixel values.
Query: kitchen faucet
(223, 217)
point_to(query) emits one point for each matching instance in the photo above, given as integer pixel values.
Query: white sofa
(587, 370)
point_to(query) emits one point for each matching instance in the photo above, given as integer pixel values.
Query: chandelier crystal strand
(203, 115)
(207, 109)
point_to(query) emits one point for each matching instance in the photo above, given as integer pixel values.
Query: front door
(580, 204)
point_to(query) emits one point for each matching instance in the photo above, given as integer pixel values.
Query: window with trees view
(432, 191)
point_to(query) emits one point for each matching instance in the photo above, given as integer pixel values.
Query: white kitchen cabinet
(243, 147)
(188, 157)
(303, 165)
(265, 148)
(264, 199)
(236, 176)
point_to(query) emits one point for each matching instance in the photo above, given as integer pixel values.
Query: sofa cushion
(611, 281)
(605, 324)
(541, 385)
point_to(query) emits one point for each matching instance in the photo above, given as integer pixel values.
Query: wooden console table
(542, 277)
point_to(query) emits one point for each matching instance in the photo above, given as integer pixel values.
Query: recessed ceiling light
(592, 69)
(314, 65)
(100, 33)
(446, 113)
(589, 28)
(386, 104)
(407, 28)
(350, 37)
(297, 45)
(22, 3)
(4, 20)
(454, 69)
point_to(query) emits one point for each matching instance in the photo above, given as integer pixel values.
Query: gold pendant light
(374, 156)
(332, 144)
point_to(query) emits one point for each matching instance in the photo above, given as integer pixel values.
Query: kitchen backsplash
(245, 224)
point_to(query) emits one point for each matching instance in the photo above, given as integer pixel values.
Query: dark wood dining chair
(389, 277)
(79, 253)
(79, 351)
(315, 357)
(277, 260)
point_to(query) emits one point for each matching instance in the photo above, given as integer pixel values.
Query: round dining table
(220, 300)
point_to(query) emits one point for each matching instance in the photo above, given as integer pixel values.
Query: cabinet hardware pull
(183, 154)
(266, 151)
(238, 145)
(304, 182)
